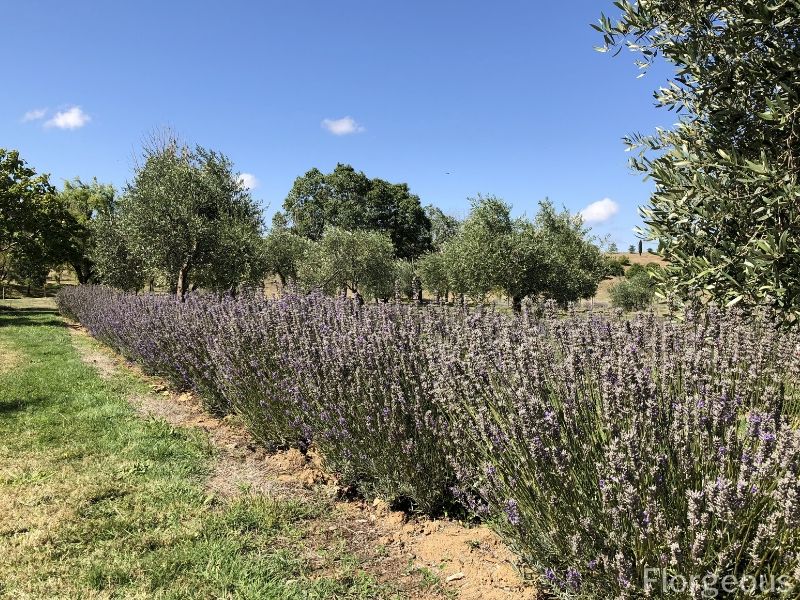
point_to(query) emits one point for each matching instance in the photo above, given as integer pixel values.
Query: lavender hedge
(601, 447)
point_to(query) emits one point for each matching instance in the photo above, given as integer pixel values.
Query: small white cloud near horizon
(343, 126)
(600, 211)
(71, 118)
(34, 115)
(248, 180)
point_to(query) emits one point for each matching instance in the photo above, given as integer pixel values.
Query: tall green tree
(34, 226)
(725, 208)
(24, 196)
(575, 265)
(349, 200)
(85, 202)
(20, 191)
(443, 226)
(114, 262)
(478, 255)
(188, 217)
(526, 270)
(407, 280)
(30, 265)
(433, 274)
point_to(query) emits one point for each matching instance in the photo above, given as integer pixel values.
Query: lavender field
(608, 451)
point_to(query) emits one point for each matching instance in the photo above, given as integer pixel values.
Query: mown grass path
(96, 502)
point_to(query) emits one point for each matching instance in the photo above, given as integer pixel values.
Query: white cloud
(249, 180)
(343, 126)
(34, 115)
(71, 118)
(600, 211)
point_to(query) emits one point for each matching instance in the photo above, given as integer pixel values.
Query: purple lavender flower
(512, 512)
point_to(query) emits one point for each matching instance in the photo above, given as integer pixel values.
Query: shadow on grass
(30, 316)
(17, 406)
(14, 321)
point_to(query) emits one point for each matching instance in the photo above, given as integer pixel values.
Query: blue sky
(509, 97)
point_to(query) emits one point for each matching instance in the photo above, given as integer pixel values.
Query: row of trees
(186, 221)
(551, 256)
(490, 252)
(724, 211)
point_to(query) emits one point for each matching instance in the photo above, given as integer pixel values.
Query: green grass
(96, 502)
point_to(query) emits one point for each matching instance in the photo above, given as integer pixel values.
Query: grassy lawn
(96, 502)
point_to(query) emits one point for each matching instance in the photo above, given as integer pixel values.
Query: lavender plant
(622, 454)
(362, 374)
(600, 446)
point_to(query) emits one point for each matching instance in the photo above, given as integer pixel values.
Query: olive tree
(444, 227)
(724, 210)
(526, 269)
(188, 217)
(478, 254)
(552, 256)
(574, 265)
(433, 274)
(360, 262)
(284, 252)
(85, 202)
(113, 261)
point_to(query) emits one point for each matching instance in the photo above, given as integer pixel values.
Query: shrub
(633, 293)
(615, 266)
(608, 447)
(636, 270)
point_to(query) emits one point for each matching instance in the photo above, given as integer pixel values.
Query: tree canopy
(34, 226)
(443, 226)
(574, 264)
(725, 207)
(188, 217)
(478, 255)
(114, 262)
(284, 253)
(347, 199)
(85, 202)
(359, 261)
(551, 256)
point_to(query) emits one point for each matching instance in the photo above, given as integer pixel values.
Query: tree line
(186, 221)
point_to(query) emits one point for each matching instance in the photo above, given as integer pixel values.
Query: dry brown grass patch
(10, 359)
